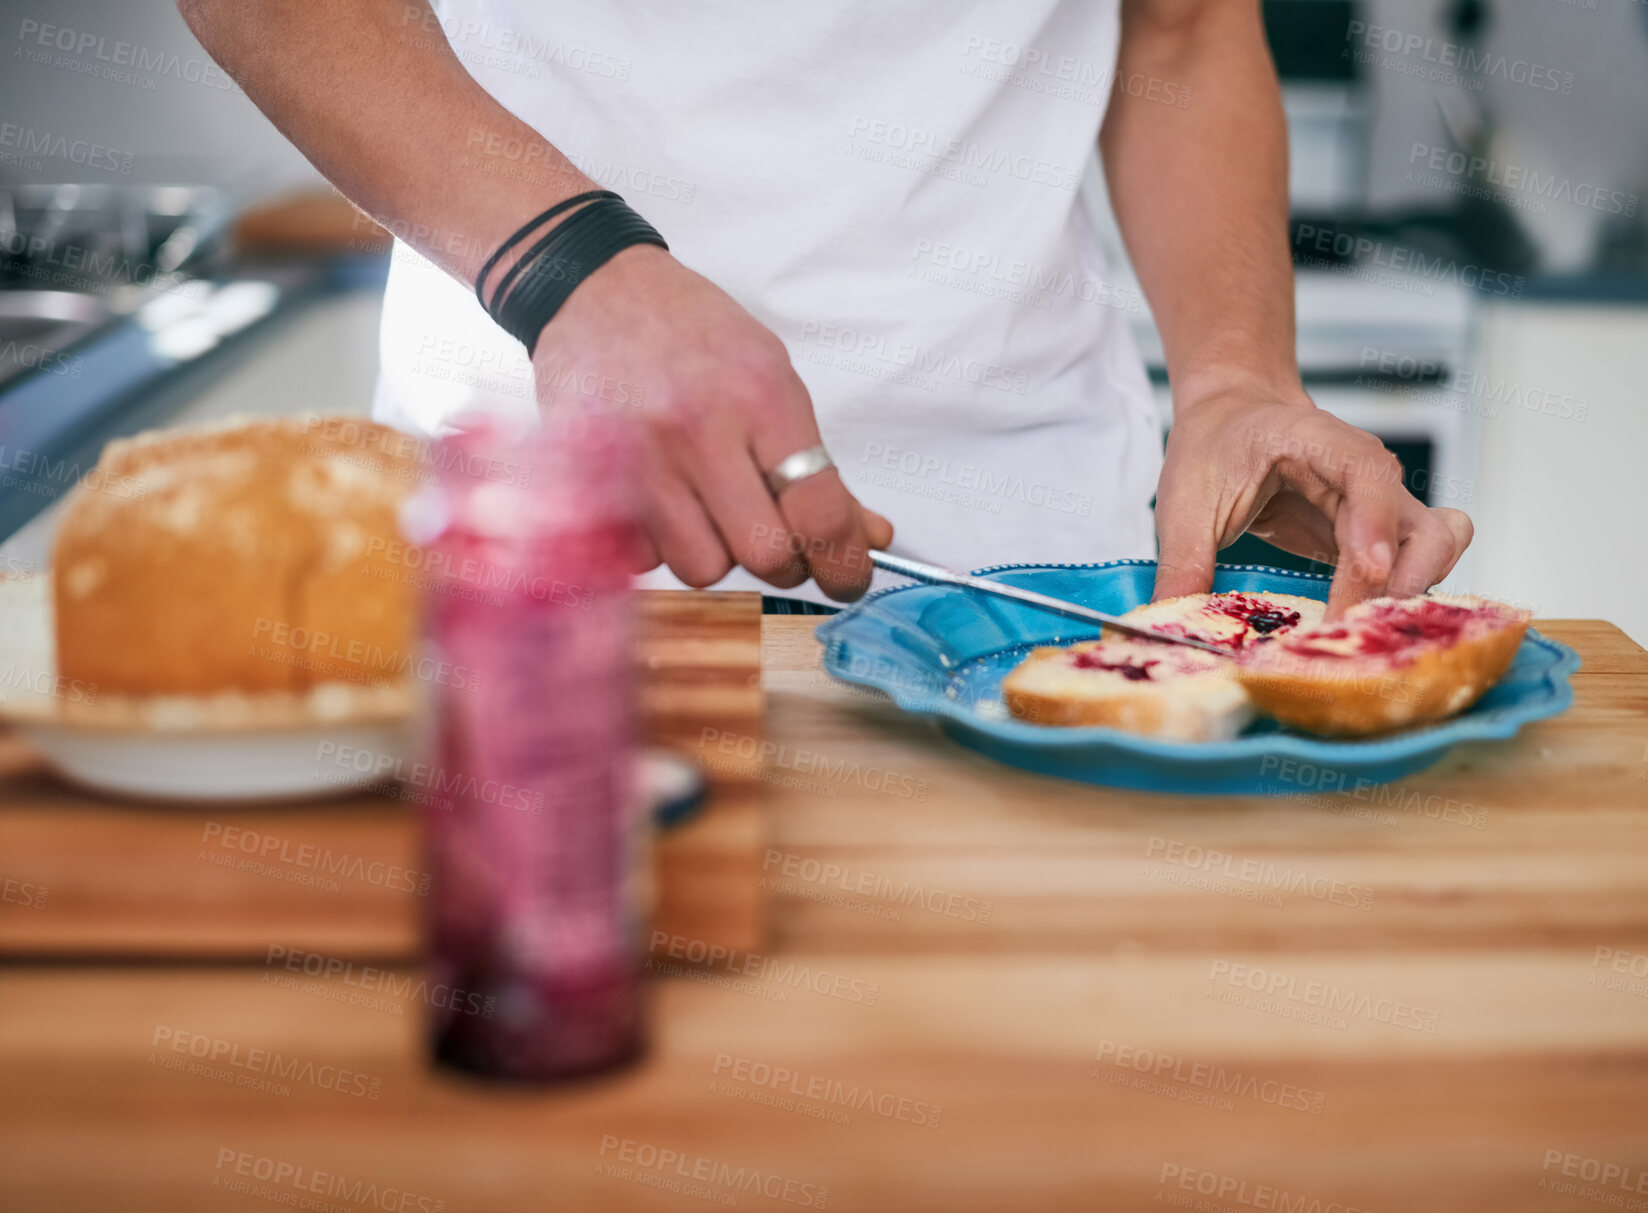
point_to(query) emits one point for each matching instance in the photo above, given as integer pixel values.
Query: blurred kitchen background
(1468, 228)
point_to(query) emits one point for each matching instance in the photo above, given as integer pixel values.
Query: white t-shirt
(894, 190)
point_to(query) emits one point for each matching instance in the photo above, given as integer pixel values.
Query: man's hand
(1201, 195)
(720, 404)
(1282, 469)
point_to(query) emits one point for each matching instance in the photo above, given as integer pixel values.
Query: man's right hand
(720, 404)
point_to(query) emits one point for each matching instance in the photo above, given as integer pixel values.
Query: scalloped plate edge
(1500, 724)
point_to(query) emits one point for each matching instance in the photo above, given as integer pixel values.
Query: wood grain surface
(981, 990)
(171, 881)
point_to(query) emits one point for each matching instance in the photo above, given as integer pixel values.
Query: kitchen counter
(981, 990)
(318, 353)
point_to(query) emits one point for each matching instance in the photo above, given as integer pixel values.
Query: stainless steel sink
(74, 258)
(37, 326)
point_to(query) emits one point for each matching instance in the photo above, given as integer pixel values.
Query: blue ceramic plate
(942, 651)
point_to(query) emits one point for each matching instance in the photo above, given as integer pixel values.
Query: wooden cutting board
(175, 881)
(986, 990)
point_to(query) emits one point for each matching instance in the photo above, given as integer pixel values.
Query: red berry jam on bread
(1159, 690)
(1141, 686)
(1236, 621)
(1386, 664)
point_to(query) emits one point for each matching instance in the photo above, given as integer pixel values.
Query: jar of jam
(528, 539)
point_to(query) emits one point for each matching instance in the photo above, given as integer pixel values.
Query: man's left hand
(1274, 465)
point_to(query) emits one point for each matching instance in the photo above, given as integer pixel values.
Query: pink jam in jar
(535, 944)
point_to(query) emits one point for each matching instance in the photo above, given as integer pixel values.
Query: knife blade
(936, 575)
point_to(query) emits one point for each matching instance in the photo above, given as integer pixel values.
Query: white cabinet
(1563, 464)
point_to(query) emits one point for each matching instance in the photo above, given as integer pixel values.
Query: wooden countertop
(981, 990)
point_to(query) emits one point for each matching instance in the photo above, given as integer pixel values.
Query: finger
(1366, 527)
(832, 528)
(682, 532)
(644, 554)
(877, 529)
(1464, 531)
(707, 451)
(748, 520)
(1435, 541)
(1188, 547)
(831, 525)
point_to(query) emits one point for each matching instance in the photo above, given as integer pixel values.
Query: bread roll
(255, 556)
(1141, 686)
(1155, 689)
(1387, 664)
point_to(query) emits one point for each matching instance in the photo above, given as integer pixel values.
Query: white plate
(222, 748)
(232, 748)
(278, 764)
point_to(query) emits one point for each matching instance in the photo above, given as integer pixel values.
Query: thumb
(1184, 530)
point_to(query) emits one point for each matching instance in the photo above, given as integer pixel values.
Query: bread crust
(1354, 698)
(198, 562)
(1133, 713)
(1350, 695)
(1152, 710)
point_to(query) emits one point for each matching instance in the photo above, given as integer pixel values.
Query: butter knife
(939, 576)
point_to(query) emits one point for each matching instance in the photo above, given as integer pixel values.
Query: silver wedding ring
(798, 466)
